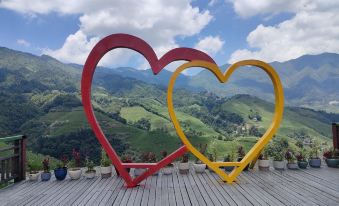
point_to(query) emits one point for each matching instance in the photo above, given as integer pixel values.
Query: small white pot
(279, 165)
(264, 165)
(74, 173)
(139, 171)
(167, 170)
(90, 175)
(199, 168)
(33, 176)
(184, 167)
(106, 171)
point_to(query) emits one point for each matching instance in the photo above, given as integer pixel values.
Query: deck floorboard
(301, 187)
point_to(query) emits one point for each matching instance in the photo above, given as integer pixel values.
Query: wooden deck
(302, 187)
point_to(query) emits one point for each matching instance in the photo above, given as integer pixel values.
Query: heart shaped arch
(223, 77)
(134, 43)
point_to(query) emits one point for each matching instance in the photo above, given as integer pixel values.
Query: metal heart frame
(223, 77)
(134, 43)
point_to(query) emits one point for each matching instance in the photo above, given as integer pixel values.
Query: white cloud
(313, 29)
(248, 8)
(23, 42)
(210, 44)
(157, 22)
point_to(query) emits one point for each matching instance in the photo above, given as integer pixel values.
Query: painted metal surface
(134, 43)
(223, 77)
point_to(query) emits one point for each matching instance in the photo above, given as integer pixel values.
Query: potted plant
(143, 158)
(302, 161)
(213, 158)
(105, 165)
(241, 155)
(184, 166)
(199, 166)
(278, 160)
(46, 174)
(229, 158)
(152, 159)
(291, 160)
(33, 174)
(60, 171)
(168, 169)
(331, 159)
(125, 159)
(75, 172)
(264, 162)
(90, 172)
(314, 160)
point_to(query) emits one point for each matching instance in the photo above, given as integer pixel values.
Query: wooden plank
(146, 188)
(190, 188)
(105, 188)
(110, 191)
(164, 190)
(203, 191)
(213, 189)
(283, 188)
(177, 191)
(152, 191)
(268, 198)
(171, 194)
(182, 189)
(158, 191)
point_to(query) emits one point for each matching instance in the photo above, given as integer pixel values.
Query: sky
(228, 30)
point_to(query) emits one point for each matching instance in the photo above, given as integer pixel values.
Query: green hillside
(40, 97)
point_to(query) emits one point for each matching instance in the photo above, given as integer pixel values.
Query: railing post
(21, 160)
(335, 132)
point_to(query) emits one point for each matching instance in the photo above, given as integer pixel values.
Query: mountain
(309, 81)
(40, 97)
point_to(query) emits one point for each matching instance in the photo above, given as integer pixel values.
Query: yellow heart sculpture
(254, 152)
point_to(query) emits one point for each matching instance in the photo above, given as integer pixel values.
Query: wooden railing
(13, 158)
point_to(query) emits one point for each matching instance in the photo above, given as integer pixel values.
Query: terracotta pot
(316, 163)
(302, 164)
(264, 165)
(33, 176)
(199, 168)
(184, 167)
(332, 163)
(292, 166)
(279, 165)
(90, 174)
(106, 171)
(74, 173)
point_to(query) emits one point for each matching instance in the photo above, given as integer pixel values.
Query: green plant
(278, 156)
(241, 152)
(105, 161)
(45, 164)
(314, 152)
(185, 158)
(89, 165)
(301, 156)
(290, 157)
(62, 162)
(202, 150)
(33, 167)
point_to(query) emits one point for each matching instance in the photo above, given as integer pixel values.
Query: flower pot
(184, 167)
(45, 176)
(316, 163)
(264, 165)
(60, 173)
(199, 168)
(33, 176)
(168, 169)
(279, 165)
(302, 164)
(292, 166)
(90, 174)
(228, 168)
(74, 173)
(106, 171)
(332, 163)
(139, 171)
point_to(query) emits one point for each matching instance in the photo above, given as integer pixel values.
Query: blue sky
(229, 30)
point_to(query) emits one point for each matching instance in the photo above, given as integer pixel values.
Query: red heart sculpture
(131, 42)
